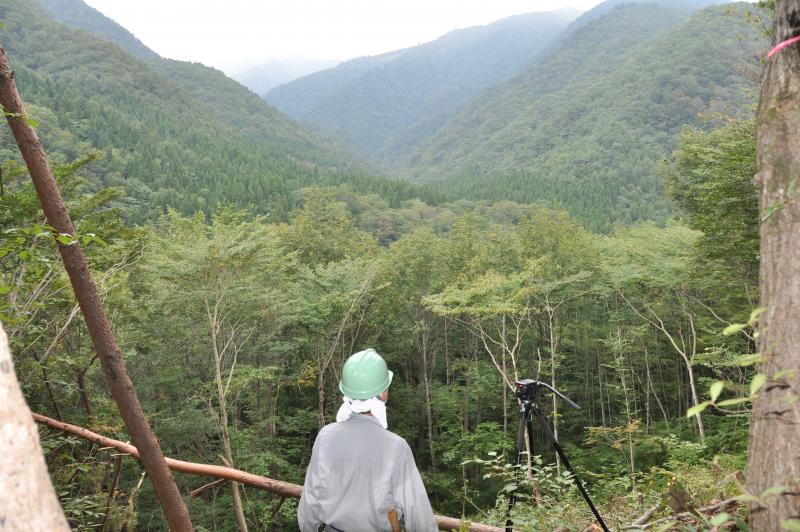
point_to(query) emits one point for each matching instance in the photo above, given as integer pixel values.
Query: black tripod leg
(524, 421)
(530, 448)
(550, 436)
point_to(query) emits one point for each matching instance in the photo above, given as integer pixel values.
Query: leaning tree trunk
(28, 501)
(774, 455)
(105, 345)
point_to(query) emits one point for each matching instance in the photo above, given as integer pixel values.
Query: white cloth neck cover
(358, 406)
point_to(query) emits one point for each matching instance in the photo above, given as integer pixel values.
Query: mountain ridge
(171, 133)
(592, 143)
(381, 105)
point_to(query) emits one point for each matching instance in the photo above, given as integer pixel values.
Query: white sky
(237, 33)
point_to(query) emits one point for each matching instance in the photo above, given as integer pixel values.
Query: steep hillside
(384, 106)
(606, 7)
(586, 127)
(172, 133)
(77, 14)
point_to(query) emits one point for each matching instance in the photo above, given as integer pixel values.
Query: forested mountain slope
(172, 133)
(607, 6)
(383, 106)
(586, 127)
(77, 14)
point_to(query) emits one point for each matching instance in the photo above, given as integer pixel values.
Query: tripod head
(528, 389)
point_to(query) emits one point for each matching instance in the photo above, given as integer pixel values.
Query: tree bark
(28, 501)
(774, 454)
(105, 345)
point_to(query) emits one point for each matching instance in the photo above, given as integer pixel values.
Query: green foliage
(308, 259)
(173, 134)
(710, 177)
(586, 126)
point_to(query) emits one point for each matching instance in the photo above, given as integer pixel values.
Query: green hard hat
(365, 375)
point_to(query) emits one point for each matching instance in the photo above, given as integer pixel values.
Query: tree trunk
(428, 410)
(553, 340)
(241, 522)
(774, 455)
(695, 399)
(119, 382)
(28, 501)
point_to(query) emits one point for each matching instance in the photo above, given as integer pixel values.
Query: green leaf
(720, 519)
(732, 402)
(733, 328)
(791, 373)
(793, 525)
(88, 238)
(5, 289)
(66, 239)
(770, 210)
(715, 390)
(749, 360)
(509, 488)
(774, 490)
(696, 409)
(757, 382)
(30, 121)
(792, 184)
(756, 313)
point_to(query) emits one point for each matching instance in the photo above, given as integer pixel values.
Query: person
(359, 471)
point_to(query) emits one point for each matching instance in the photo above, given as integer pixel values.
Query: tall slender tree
(774, 457)
(105, 344)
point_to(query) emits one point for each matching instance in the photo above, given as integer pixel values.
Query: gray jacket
(358, 473)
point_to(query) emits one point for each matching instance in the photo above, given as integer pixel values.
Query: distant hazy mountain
(263, 77)
(385, 105)
(172, 133)
(77, 14)
(586, 125)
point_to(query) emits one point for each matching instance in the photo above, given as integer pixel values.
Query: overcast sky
(233, 34)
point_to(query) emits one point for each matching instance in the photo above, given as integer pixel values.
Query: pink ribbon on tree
(783, 45)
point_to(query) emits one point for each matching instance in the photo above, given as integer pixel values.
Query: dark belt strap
(333, 528)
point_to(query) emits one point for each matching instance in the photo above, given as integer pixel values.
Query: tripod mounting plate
(526, 390)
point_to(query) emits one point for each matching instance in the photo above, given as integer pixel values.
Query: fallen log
(278, 487)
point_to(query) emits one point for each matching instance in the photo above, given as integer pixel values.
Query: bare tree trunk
(28, 501)
(553, 340)
(695, 399)
(215, 326)
(428, 410)
(105, 345)
(774, 455)
(621, 366)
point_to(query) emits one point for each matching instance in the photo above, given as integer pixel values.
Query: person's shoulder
(373, 429)
(400, 443)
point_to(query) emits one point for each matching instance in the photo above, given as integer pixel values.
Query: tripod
(527, 391)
